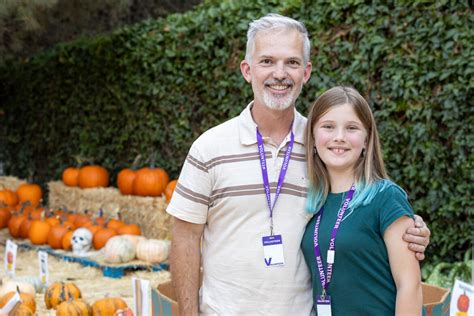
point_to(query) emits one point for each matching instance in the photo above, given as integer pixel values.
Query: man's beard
(281, 102)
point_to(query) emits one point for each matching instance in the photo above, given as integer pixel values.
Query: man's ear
(245, 70)
(307, 72)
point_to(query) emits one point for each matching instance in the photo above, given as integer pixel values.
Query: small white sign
(141, 296)
(462, 299)
(43, 267)
(11, 250)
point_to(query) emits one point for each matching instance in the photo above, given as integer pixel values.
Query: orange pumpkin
(29, 192)
(25, 227)
(39, 231)
(82, 219)
(108, 306)
(59, 292)
(21, 310)
(74, 308)
(170, 189)
(115, 224)
(14, 225)
(101, 237)
(130, 229)
(125, 180)
(5, 216)
(70, 176)
(8, 198)
(26, 299)
(93, 177)
(67, 240)
(55, 236)
(149, 182)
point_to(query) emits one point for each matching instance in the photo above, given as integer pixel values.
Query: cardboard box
(435, 300)
(164, 300)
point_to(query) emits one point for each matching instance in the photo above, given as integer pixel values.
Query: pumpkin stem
(135, 162)
(152, 159)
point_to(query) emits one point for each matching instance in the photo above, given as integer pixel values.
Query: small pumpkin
(74, 307)
(29, 192)
(108, 306)
(5, 216)
(55, 236)
(14, 225)
(153, 250)
(59, 292)
(67, 240)
(170, 189)
(25, 226)
(125, 180)
(21, 310)
(70, 176)
(26, 299)
(93, 177)
(129, 229)
(8, 198)
(101, 237)
(39, 231)
(119, 249)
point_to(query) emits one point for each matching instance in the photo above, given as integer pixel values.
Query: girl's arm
(405, 268)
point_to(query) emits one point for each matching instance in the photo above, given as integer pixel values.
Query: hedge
(157, 85)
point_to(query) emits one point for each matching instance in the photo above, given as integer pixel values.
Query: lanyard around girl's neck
(281, 178)
(325, 280)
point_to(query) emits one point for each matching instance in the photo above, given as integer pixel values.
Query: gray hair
(273, 21)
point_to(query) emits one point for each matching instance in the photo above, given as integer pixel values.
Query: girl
(359, 263)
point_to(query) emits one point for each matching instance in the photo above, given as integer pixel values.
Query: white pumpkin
(134, 238)
(153, 250)
(10, 285)
(119, 249)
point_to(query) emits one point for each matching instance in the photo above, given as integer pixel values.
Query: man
(243, 187)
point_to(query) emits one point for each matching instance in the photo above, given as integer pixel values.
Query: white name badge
(323, 305)
(273, 250)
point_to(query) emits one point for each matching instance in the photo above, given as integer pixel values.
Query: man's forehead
(279, 41)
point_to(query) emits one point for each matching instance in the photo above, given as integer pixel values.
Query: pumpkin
(26, 299)
(11, 285)
(153, 250)
(21, 310)
(39, 231)
(25, 227)
(5, 216)
(463, 303)
(119, 249)
(8, 198)
(55, 236)
(115, 224)
(130, 229)
(170, 189)
(29, 192)
(70, 176)
(74, 308)
(14, 225)
(93, 177)
(125, 180)
(67, 240)
(124, 312)
(59, 292)
(108, 306)
(101, 237)
(82, 219)
(149, 182)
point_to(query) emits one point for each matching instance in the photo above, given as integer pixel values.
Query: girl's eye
(326, 126)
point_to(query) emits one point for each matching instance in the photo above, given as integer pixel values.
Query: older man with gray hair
(239, 203)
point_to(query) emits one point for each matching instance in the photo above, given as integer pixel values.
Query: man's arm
(185, 263)
(418, 238)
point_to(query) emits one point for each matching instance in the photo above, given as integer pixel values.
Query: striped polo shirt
(221, 186)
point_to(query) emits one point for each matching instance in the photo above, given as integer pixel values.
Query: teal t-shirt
(362, 282)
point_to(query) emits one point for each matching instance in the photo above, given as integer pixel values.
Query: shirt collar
(247, 127)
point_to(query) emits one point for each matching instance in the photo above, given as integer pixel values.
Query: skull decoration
(81, 241)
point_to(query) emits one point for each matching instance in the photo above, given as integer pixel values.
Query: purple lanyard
(281, 178)
(332, 242)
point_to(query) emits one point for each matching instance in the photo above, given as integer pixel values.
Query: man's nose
(280, 72)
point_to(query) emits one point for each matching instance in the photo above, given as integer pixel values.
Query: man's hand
(418, 238)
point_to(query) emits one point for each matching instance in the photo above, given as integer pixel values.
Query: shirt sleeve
(190, 201)
(393, 205)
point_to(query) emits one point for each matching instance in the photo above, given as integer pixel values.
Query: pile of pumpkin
(142, 182)
(66, 298)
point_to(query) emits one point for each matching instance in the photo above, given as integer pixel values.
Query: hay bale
(10, 183)
(147, 212)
